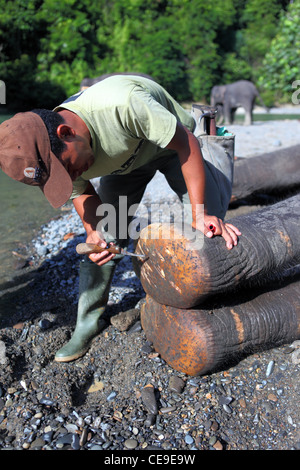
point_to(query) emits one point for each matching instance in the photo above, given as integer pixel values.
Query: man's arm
(86, 206)
(192, 166)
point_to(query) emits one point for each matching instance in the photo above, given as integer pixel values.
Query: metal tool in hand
(89, 248)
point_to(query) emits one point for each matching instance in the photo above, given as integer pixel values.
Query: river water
(23, 210)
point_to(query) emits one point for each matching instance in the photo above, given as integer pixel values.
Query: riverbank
(98, 401)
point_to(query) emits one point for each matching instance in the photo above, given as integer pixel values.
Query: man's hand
(86, 206)
(211, 225)
(99, 258)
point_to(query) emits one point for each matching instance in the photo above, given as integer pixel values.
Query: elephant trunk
(268, 173)
(197, 341)
(178, 274)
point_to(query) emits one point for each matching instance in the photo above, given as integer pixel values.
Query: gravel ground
(121, 395)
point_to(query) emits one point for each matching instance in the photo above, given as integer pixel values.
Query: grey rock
(130, 443)
(149, 400)
(3, 357)
(176, 384)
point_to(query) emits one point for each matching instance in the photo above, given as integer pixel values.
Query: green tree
(282, 63)
(260, 18)
(20, 36)
(69, 49)
(248, 38)
(172, 40)
(196, 27)
(140, 38)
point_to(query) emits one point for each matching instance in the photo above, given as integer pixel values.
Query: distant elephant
(229, 97)
(87, 82)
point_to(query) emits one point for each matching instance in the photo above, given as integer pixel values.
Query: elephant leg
(248, 118)
(220, 114)
(248, 114)
(232, 113)
(227, 114)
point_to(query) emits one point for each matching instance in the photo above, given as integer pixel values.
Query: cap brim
(58, 188)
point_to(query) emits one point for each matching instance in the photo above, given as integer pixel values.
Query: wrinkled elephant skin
(199, 341)
(269, 173)
(181, 274)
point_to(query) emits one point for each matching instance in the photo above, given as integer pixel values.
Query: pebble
(188, 439)
(214, 426)
(176, 384)
(45, 324)
(296, 356)
(111, 396)
(218, 445)
(130, 443)
(272, 397)
(124, 320)
(46, 401)
(38, 443)
(270, 368)
(83, 437)
(167, 409)
(150, 420)
(96, 387)
(149, 399)
(242, 402)
(3, 357)
(71, 428)
(227, 408)
(225, 400)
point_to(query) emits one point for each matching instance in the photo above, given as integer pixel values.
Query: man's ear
(65, 132)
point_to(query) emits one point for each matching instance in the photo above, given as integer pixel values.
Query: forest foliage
(48, 47)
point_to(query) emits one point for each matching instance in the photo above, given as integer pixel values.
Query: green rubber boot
(94, 285)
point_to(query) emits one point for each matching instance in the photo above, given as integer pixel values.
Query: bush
(282, 63)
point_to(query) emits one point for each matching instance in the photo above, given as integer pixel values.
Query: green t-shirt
(131, 120)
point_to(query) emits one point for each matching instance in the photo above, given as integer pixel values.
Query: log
(197, 341)
(270, 173)
(181, 274)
